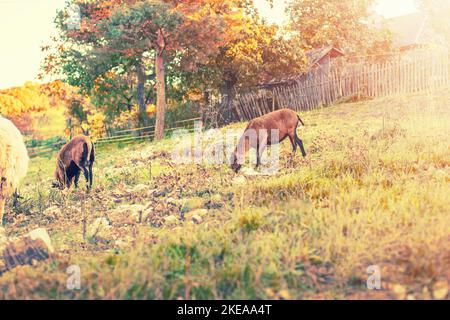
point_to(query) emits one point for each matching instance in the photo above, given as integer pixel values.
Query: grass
(373, 190)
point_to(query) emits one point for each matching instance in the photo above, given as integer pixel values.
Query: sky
(26, 25)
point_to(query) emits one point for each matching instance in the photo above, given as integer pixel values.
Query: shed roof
(315, 56)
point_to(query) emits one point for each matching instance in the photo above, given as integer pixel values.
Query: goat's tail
(87, 151)
(91, 153)
(300, 120)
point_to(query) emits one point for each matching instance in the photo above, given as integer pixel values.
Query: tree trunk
(141, 93)
(160, 88)
(228, 94)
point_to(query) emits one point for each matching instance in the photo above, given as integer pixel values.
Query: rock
(193, 203)
(140, 216)
(197, 219)
(284, 295)
(426, 295)
(41, 234)
(440, 290)
(196, 216)
(149, 206)
(249, 171)
(140, 189)
(216, 198)
(399, 290)
(116, 200)
(146, 154)
(99, 228)
(52, 212)
(174, 201)
(27, 250)
(239, 180)
(200, 212)
(3, 237)
(128, 214)
(73, 209)
(121, 243)
(171, 220)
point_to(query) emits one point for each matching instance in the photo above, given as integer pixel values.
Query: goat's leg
(2, 209)
(294, 147)
(2, 198)
(258, 157)
(293, 143)
(86, 176)
(77, 178)
(261, 146)
(300, 144)
(90, 176)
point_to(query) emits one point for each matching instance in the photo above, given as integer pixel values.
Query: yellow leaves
(234, 21)
(127, 118)
(85, 126)
(195, 16)
(399, 290)
(282, 294)
(10, 106)
(19, 100)
(96, 124)
(440, 290)
(151, 110)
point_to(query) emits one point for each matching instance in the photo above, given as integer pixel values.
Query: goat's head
(235, 163)
(57, 185)
(61, 178)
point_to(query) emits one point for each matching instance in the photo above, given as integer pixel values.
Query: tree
(126, 34)
(16, 101)
(257, 54)
(133, 30)
(342, 24)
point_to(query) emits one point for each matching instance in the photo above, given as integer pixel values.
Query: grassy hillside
(373, 190)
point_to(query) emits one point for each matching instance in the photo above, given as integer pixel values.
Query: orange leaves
(208, 25)
(59, 93)
(195, 95)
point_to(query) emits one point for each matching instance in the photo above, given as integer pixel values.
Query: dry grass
(374, 190)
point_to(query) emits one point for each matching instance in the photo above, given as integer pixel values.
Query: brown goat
(75, 156)
(283, 120)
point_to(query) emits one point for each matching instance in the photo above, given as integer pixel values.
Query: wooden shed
(320, 58)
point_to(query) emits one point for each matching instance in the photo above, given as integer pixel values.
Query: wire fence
(118, 136)
(407, 73)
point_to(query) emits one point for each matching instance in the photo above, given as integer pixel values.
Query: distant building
(320, 59)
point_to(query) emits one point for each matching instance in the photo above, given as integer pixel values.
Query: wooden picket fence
(401, 74)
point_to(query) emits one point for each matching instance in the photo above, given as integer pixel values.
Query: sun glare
(386, 8)
(389, 8)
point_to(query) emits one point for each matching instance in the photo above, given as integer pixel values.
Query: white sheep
(13, 161)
